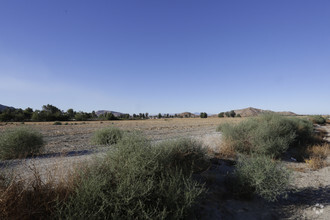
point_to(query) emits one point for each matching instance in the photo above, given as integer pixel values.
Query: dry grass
(316, 163)
(227, 150)
(76, 135)
(36, 195)
(317, 156)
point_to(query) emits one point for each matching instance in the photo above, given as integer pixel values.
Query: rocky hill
(187, 115)
(249, 112)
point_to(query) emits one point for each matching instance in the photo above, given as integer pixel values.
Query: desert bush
(273, 135)
(304, 131)
(57, 123)
(317, 155)
(262, 176)
(185, 153)
(136, 180)
(238, 136)
(269, 134)
(318, 119)
(107, 136)
(20, 143)
(316, 163)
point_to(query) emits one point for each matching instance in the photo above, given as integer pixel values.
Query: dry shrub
(262, 176)
(318, 155)
(227, 150)
(107, 136)
(268, 134)
(20, 143)
(33, 197)
(316, 163)
(139, 180)
(318, 119)
(321, 151)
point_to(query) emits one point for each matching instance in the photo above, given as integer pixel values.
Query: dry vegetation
(318, 155)
(36, 193)
(76, 135)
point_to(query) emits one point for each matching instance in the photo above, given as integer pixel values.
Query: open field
(69, 145)
(76, 135)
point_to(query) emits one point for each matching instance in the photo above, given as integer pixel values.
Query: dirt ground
(69, 145)
(76, 135)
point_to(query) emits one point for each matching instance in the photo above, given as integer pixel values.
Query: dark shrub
(262, 176)
(135, 181)
(269, 134)
(185, 153)
(19, 143)
(318, 119)
(107, 136)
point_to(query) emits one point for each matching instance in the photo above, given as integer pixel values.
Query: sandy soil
(69, 145)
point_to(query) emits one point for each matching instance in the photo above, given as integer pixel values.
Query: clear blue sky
(166, 56)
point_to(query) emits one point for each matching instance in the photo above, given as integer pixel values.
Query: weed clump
(20, 143)
(260, 175)
(32, 198)
(318, 119)
(107, 136)
(137, 180)
(317, 155)
(185, 153)
(269, 134)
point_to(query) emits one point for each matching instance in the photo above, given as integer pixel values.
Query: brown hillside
(249, 112)
(187, 115)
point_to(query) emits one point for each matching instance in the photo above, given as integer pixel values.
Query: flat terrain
(69, 145)
(76, 135)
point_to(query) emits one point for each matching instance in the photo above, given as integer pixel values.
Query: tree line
(52, 113)
(228, 114)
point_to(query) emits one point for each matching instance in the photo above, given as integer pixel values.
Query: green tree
(28, 113)
(232, 113)
(221, 115)
(71, 113)
(203, 115)
(35, 116)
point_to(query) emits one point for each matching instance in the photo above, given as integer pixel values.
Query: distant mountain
(100, 112)
(248, 112)
(3, 107)
(187, 115)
